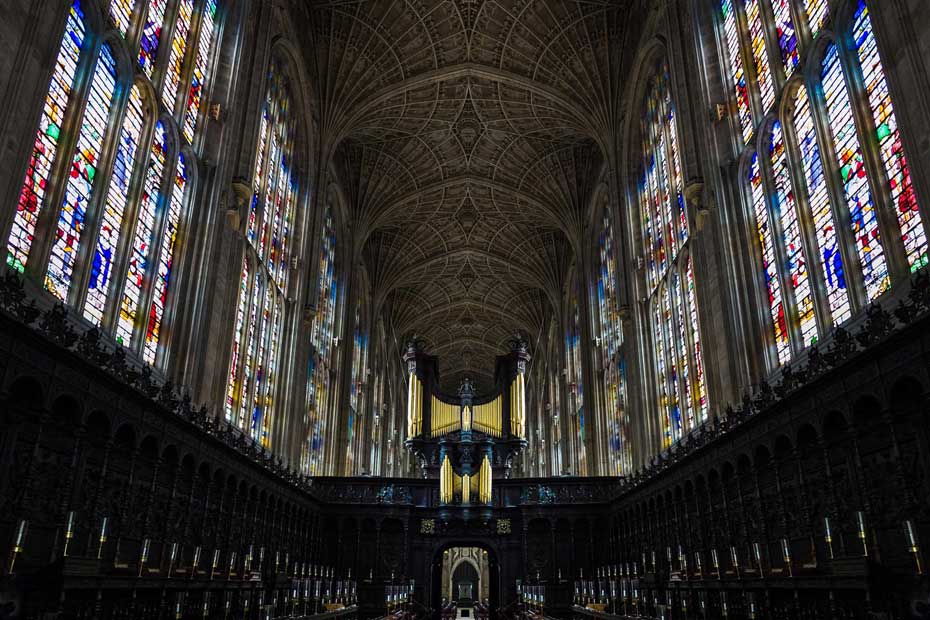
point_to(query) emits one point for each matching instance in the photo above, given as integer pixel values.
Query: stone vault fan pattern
(468, 135)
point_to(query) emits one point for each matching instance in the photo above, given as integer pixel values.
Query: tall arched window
(102, 206)
(610, 335)
(262, 305)
(672, 323)
(356, 392)
(322, 333)
(573, 353)
(831, 195)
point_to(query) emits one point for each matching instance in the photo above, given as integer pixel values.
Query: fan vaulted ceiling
(468, 136)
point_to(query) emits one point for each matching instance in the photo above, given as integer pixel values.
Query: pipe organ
(467, 439)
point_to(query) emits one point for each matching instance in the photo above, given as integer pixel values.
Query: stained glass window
(82, 176)
(321, 347)
(760, 55)
(854, 176)
(257, 343)
(681, 394)
(576, 383)
(786, 211)
(817, 12)
(611, 342)
(143, 237)
(182, 27)
(120, 200)
(152, 29)
(787, 36)
(200, 71)
(121, 14)
(821, 210)
(896, 171)
(166, 259)
(769, 266)
(34, 192)
(823, 206)
(115, 208)
(737, 71)
(356, 389)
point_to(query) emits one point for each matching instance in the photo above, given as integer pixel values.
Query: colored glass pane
(114, 209)
(896, 170)
(769, 266)
(274, 342)
(143, 237)
(818, 198)
(760, 53)
(35, 187)
(700, 397)
(151, 35)
(680, 326)
(611, 337)
(182, 28)
(787, 36)
(817, 13)
(658, 337)
(233, 386)
(321, 343)
(675, 155)
(786, 211)
(737, 71)
(121, 14)
(82, 176)
(166, 260)
(854, 177)
(200, 72)
(260, 369)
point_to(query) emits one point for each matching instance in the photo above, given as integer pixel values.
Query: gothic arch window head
(108, 182)
(262, 307)
(672, 318)
(828, 186)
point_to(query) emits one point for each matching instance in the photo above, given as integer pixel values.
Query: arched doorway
(466, 582)
(481, 570)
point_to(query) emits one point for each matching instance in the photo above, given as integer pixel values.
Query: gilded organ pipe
(414, 406)
(487, 417)
(484, 494)
(518, 406)
(445, 481)
(445, 418)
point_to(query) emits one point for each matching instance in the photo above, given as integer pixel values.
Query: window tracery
(128, 175)
(672, 324)
(262, 305)
(823, 172)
